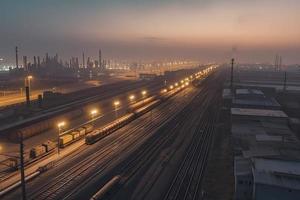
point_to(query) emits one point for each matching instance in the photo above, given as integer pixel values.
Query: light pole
(144, 93)
(27, 89)
(60, 126)
(116, 105)
(132, 98)
(22, 168)
(94, 112)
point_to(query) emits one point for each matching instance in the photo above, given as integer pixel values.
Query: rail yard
(165, 136)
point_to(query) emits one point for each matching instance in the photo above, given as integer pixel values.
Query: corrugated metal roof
(258, 112)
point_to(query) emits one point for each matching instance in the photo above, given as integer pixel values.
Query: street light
(164, 90)
(116, 104)
(171, 87)
(144, 92)
(22, 170)
(60, 126)
(94, 112)
(27, 89)
(28, 80)
(131, 97)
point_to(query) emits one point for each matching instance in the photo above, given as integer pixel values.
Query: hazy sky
(207, 30)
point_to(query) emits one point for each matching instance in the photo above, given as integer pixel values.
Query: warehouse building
(266, 155)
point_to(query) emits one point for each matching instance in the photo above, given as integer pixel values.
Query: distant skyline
(205, 30)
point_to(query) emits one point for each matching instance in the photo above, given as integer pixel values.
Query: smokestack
(47, 58)
(83, 60)
(88, 62)
(25, 63)
(39, 62)
(77, 63)
(280, 63)
(100, 59)
(231, 79)
(17, 59)
(34, 61)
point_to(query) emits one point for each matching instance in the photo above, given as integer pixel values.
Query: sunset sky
(205, 30)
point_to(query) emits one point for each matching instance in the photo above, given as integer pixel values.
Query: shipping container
(75, 135)
(37, 151)
(88, 128)
(65, 140)
(81, 131)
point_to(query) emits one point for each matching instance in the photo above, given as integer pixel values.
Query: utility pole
(27, 90)
(17, 59)
(22, 167)
(100, 59)
(83, 60)
(231, 79)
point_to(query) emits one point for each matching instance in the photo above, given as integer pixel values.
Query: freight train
(91, 135)
(98, 134)
(75, 135)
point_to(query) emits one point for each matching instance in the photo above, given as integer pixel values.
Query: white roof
(258, 112)
(255, 91)
(268, 138)
(242, 91)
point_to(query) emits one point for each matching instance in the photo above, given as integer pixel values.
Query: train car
(76, 134)
(49, 145)
(37, 151)
(81, 131)
(93, 137)
(111, 127)
(88, 128)
(65, 140)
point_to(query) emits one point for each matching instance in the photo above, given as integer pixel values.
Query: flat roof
(260, 152)
(257, 102)
(248, 91)
(277, 180)
(281, 173)
(268, 138)
(276, 165)
(258, 112)
(242, 91)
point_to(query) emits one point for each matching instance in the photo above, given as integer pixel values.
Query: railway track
(186, 183)
(60, 183)
(189, 176)
(62, 186)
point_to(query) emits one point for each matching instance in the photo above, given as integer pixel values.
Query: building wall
(243, 187)
(263, 192)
